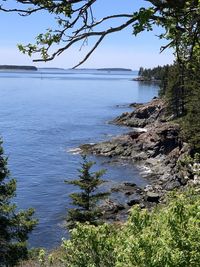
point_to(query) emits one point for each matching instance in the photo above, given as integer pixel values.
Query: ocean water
(44, 116)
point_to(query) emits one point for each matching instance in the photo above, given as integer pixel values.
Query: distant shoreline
(51, 68)
(115, 69)
(33, 68)
(144, 79)
(17, 67)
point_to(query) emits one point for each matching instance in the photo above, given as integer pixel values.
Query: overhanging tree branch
(76, 23)
(76, 38)
(72, 14)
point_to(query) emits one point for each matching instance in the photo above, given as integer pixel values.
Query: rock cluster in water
(154, 143)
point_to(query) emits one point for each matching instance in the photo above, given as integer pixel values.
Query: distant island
(33, 68)
(115, 69)
(17, 67)
(51, 68)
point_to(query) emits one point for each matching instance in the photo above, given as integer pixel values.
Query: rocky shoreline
(154, 143)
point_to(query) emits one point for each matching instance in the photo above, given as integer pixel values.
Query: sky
(120, 49)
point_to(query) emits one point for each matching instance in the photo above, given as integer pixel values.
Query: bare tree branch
(78, 15)
(77, 38)
(90, 52)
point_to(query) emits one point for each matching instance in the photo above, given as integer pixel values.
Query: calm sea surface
(45, 114)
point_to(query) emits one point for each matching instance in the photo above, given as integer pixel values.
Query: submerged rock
(134, 199)
(126, 188)
(152, 197)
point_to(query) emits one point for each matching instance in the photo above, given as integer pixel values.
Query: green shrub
(167, 236)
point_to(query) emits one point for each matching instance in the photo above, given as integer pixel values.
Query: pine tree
(140, 72)
(191, 122)
(87, 199)
(14, 226)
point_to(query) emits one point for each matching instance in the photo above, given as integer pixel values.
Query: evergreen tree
(174, 93)
(87, 199)
(14, 226)
(155, 74)
(191, 122)
(140, 72)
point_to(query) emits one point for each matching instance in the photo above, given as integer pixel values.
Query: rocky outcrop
(142, 115)
(153, 143)
(157, 146)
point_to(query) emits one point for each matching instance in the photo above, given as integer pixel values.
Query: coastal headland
(155, 145)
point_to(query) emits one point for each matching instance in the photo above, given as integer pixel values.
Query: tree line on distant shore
(154, 74)
(17, 67)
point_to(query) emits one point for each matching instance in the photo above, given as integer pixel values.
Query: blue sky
(118, 50)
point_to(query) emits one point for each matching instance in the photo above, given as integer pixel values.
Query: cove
(46, 114)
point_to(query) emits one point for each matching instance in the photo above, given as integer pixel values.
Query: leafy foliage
(88, 198)
(14, 226)
(76, 22)
(168, 236)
